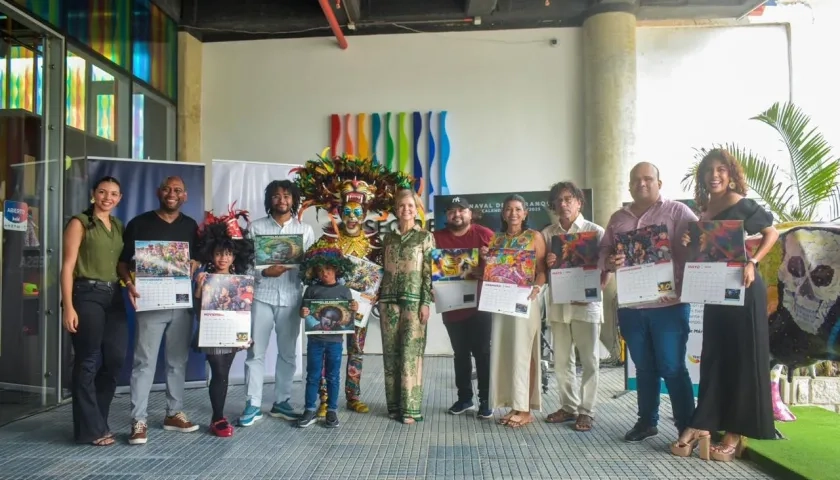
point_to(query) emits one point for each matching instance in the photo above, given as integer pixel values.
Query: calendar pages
(575, 276)
(226, 311)
(328, 317)
(714, 272)
(648, 273)
(364, 286)
(162, 275)
(452, 278)
(508, 279)
(282, 249)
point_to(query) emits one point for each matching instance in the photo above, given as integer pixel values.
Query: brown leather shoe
(138, 434)
(179, 423)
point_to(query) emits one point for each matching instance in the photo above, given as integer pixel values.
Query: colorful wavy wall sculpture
(403, 149)
(389, 143)
(444, 153)
(361, 126)
(431, 156)
(348, 140)
(417, 121)
(376, 120)
(335, 133)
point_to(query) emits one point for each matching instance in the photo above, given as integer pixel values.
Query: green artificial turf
(810, 450)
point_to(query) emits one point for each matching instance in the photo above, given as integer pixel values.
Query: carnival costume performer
(349, 188)
(223, 249)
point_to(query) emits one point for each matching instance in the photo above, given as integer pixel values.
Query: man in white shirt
(277, 300)
(574, 325)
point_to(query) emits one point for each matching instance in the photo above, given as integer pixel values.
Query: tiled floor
(365, 446)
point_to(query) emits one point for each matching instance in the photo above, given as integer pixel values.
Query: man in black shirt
(167, 223)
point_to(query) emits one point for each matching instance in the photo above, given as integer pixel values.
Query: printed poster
(364, 285)
(714, 272)
(453, 278)
(15, 216)
(328, 317)
(283, 249)
(508, 281)
(162, 275)
(648, 273)
(575, 276)
(226, 311)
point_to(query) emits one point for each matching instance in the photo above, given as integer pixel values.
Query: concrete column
(609, 77)
(189, 98)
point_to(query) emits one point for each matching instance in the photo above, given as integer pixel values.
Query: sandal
(583, 423)
(560, 416)
(357, 406)
(520, 420)
(504, 420)
(103, 442)
(394, 414)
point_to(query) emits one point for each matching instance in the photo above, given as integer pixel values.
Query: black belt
(96, 283)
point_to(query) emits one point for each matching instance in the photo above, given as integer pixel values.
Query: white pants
(586, 337)
(285, 321)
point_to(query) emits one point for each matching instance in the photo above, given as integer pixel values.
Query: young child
(321, 269)
(223, 249)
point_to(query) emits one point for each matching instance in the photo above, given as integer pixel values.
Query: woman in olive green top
(405, 296)
(94, 312)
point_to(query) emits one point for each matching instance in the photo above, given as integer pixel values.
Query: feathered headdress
(318, 255)
(225, 232)
(329, 181)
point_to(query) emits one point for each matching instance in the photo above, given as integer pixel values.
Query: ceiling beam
(477, 8)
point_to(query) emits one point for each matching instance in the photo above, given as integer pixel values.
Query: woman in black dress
(734, 391)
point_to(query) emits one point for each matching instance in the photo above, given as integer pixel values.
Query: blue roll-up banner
(140, 180)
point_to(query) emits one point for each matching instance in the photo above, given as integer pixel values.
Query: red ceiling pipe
(336, 29)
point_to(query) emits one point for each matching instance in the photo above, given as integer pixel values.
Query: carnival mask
(811, 282)
(352, 215)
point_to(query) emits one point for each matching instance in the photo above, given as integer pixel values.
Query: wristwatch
(754, 262)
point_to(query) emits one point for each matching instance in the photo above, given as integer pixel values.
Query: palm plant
(811, 185)
(809, 189)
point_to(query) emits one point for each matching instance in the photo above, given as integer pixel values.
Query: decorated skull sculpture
(805, 326)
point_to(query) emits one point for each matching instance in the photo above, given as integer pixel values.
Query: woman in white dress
(515, 341)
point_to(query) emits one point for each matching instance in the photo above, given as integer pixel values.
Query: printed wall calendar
(283, 249)
(364, 285)
(162, 275)
(226, 311)
(575, 276)
(508, 280)
(714, 272)
(328, 317)
(453, 279)
(648, 273)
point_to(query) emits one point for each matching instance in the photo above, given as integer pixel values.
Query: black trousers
(471, 338)
(99, 347)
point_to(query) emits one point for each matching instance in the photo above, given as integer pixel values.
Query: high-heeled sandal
(726, 453)
(684, 449)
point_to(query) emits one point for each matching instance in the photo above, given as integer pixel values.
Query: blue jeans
(327, 355)
(656, 338)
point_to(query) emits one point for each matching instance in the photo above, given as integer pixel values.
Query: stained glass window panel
(155, 57)
(76, 91)
(22, 79)
(49, 10)
(102, 25)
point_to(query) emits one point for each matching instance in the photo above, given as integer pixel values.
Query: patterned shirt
(592, 312)
(674, 215)
(285, 290)
(408, 267)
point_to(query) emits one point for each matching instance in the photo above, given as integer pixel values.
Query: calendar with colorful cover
(714, 272)
(575, 276)
(328, 317)
(282, 249)
(453, 278)
(648, 273)
(162, 275)
(364, 285)
(508, 278)
(226, 311)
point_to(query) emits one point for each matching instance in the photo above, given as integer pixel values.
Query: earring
(732, 185)
(92, 200)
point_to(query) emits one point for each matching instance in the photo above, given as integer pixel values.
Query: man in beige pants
(576, 324)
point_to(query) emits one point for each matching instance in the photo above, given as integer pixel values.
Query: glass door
(31, 121)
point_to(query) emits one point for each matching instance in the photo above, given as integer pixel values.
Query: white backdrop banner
(244, 183)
